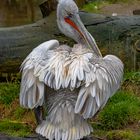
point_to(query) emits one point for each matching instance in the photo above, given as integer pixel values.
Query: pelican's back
(73, 84)
(62, 123)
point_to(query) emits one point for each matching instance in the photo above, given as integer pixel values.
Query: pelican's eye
(70, 15)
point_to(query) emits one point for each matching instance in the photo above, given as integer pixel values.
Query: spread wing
(100, 78)
(101, 82)
(32, 89)
(59, 67)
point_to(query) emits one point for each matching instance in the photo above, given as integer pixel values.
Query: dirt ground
(121, 8)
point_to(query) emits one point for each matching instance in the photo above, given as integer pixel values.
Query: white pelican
(73, 83)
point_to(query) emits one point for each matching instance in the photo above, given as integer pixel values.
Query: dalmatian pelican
(73, 83)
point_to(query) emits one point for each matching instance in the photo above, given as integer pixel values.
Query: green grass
(94, 6)
(8, 92)
(118, 1)
(133, 77)
(15, 128)
(19, 113)
(123, 109)
(122, 135)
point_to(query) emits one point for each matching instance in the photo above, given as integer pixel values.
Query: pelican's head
(67, 19)
(71, 25)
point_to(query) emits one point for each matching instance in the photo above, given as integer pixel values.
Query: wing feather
(32, 89)
(100, 83)
(98, 78)
(81, 100)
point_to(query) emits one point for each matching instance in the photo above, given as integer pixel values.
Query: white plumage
(96, 79)
(73, 83)
(32, 89)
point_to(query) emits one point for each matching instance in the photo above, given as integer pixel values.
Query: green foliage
(8, 92)
(122, 135)
(123, 109)
(19, 112)
(14, 128)
(119, 134)
(94, 6)
(133, 77)
(117, 1)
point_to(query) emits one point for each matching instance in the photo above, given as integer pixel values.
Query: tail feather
(51, 131)
(62, 123)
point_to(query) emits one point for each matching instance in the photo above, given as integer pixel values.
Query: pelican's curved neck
(74, 28)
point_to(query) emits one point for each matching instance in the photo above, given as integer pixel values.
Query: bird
(72, 83)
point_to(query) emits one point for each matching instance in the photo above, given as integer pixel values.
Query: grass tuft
(122, 135)
(8, 92)
(19, 112)
(14, 128)
(123, 109)
(133, 77)
(94, 6)
(118, 1)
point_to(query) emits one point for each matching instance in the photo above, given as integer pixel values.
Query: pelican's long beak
(88, 40)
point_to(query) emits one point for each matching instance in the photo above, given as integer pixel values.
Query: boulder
(119, 35)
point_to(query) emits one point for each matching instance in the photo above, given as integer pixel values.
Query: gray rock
(36, 137)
